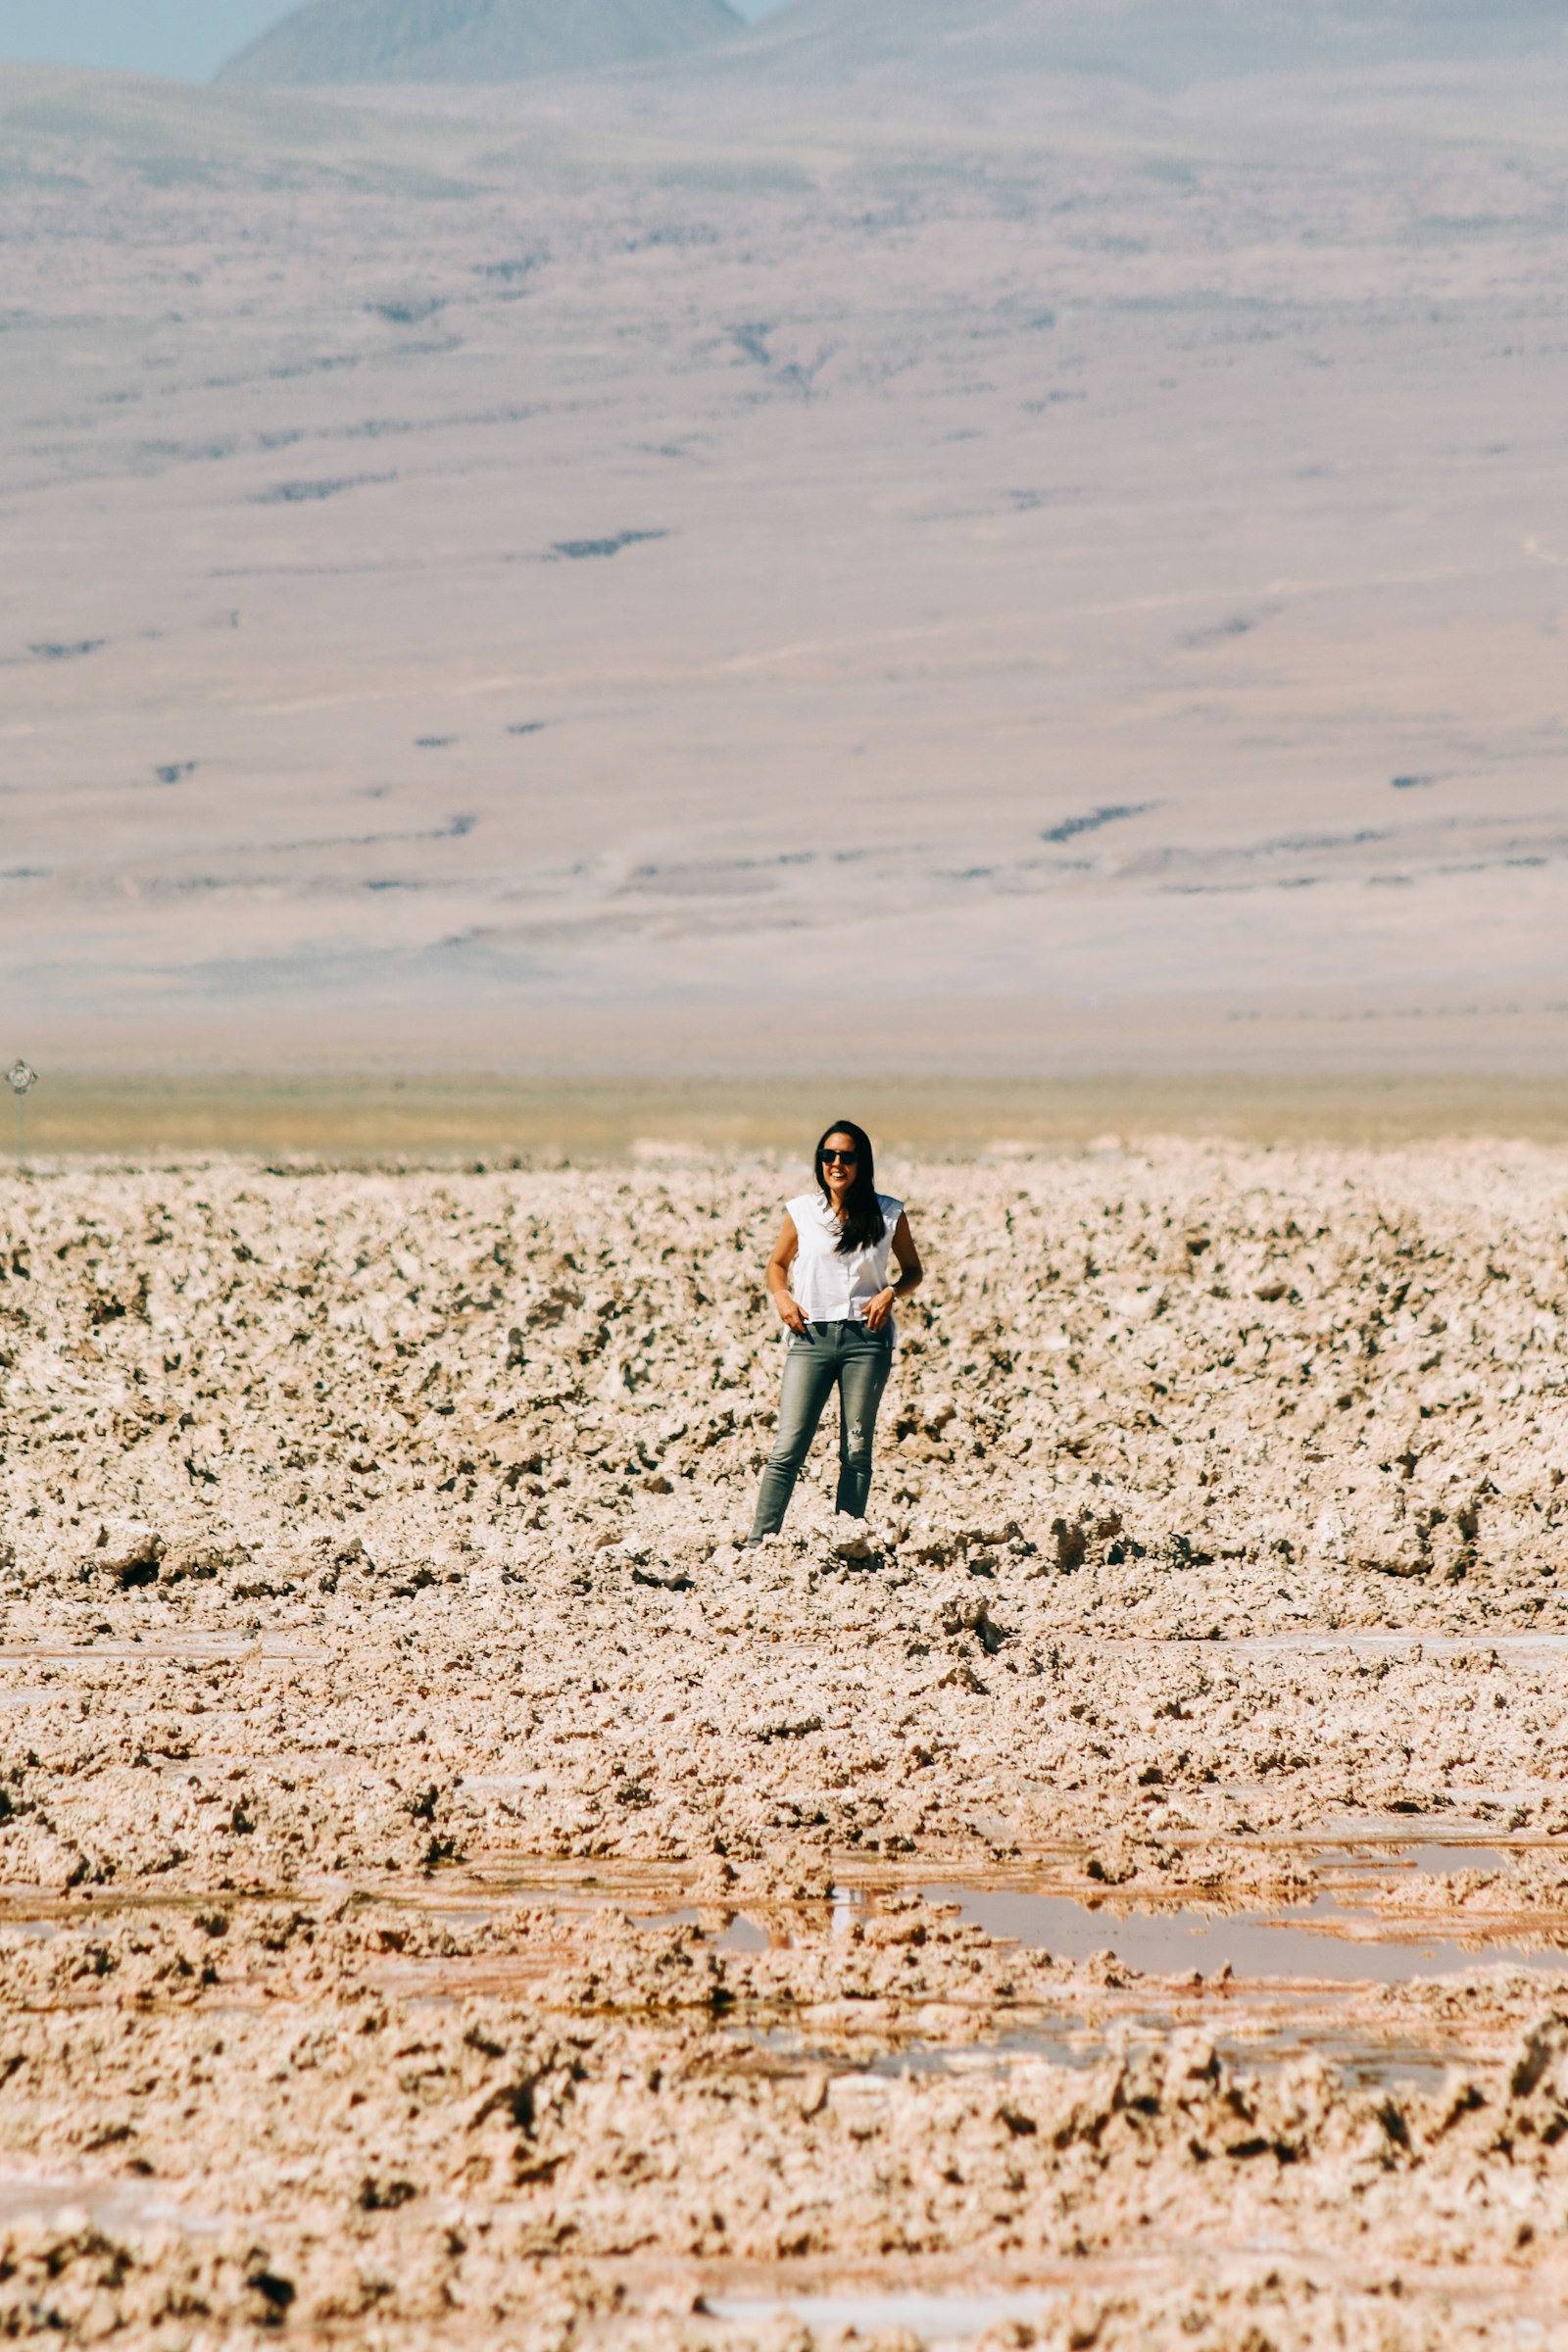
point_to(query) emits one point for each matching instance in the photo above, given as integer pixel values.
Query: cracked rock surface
(447, 1884)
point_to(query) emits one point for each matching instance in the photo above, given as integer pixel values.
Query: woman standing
(828, 1276)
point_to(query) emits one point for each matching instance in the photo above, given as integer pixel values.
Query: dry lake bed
(451, 1893)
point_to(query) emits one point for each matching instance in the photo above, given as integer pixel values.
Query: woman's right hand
(779, 1277)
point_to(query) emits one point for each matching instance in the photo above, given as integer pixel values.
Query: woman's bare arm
(778, 1274)
(910, 1276)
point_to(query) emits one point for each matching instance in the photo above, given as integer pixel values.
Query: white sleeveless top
(828, 1288)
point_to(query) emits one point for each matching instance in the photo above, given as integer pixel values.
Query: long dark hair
(864, 1221)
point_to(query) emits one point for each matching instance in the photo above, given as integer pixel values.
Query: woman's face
(840, 1165)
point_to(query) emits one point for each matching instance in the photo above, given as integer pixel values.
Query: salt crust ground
(371, 1573)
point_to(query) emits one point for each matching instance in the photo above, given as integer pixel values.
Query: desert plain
(576, 631)
(591, 578)
(454, 1892)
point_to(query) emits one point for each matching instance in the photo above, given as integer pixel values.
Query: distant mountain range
(472, 40)
(1160, 42)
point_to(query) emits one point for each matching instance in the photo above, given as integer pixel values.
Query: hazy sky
(188, 39)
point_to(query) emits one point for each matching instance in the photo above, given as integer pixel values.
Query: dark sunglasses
(851, 1160)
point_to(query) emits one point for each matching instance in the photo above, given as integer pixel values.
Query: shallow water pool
(1323, 1940)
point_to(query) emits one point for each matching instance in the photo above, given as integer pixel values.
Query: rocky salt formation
(391, 1728)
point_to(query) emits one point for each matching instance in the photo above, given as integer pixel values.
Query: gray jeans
(857, 1362)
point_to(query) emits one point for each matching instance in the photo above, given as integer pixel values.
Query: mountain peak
(472, 40)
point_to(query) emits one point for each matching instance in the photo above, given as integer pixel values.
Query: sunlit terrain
(585, 579)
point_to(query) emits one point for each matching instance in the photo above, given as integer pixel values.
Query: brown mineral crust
(438, 2163)
(392, 1728)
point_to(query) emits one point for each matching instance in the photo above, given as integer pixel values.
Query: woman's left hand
(878, 1310)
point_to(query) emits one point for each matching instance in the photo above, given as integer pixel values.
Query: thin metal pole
(22, 1078)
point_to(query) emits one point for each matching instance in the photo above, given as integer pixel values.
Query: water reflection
(1344, 1945)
